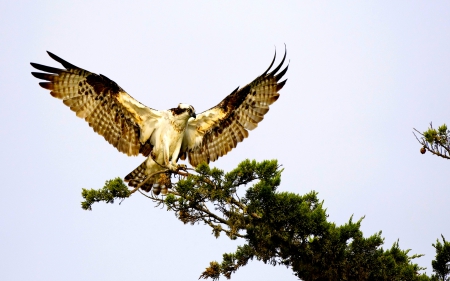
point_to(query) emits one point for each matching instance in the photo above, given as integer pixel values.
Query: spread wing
(110, 111)
(218, 130)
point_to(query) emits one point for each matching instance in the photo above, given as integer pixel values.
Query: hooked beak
(193, 115)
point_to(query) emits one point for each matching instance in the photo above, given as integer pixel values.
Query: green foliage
(436, 141)
(299, 237)
(194, 195)
(283, 228)
(436, 136)
(441, 265)
(279, 228)
(113, 189)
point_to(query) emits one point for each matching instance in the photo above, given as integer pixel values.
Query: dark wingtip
(66, 64)
(43, 76)
(281, 74)
(281, 85)
(235, 90)
(46, 68)
(271, 64)
(281, 63)
(35, 65)
(46, 85)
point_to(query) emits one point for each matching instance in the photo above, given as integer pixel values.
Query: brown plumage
(94, 98)
(219, 129)
(164, 136)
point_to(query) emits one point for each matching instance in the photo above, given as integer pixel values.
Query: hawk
(162, 136)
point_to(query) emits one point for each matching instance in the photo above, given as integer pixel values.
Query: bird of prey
(163, 136)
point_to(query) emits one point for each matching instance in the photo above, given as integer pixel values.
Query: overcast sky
(362, 75)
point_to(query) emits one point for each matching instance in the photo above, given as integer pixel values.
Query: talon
(172, 167)
(182, 167)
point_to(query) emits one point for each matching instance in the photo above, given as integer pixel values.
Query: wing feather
(218, 130)
(109, 110)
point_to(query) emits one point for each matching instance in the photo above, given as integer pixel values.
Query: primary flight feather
(163, 136)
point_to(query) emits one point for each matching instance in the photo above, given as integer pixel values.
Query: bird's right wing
(110, 111)
(218, 130)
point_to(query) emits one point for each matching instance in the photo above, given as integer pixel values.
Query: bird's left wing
(110, 111)
(218, 130)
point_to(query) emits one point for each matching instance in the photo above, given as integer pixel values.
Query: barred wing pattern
(108, 109)
(218, 130)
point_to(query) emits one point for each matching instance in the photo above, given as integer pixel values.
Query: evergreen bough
(278, 228)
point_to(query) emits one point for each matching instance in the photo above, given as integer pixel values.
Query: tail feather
(137, 176)
(159, 183)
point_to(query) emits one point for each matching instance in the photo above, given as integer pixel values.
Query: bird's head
(184, 110)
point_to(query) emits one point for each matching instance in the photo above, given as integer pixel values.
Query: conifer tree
(277, 228)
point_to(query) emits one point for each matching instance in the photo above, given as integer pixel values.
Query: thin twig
(200, 212)
(435, 148)
(229, 233)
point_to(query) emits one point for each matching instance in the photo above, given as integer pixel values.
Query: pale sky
(362, 75)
